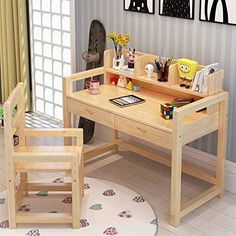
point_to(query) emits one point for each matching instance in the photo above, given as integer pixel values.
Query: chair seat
(46, 166)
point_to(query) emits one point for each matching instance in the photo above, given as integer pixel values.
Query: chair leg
(75, 182)
(11, 201)
(81, 176)
(24, 182)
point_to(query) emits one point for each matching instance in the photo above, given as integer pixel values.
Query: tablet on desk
(127, 100)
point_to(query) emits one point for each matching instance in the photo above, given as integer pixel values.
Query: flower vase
(118, 60)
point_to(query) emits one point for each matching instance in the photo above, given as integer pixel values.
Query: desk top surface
(146, 113)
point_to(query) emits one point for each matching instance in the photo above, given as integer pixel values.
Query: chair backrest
(14, 117)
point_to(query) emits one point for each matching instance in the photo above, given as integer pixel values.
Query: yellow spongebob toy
(187, 70)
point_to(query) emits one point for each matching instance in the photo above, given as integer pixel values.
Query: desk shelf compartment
(142, 61)
(111, 72)
(172, 86)
(109, 55)
(145, 82)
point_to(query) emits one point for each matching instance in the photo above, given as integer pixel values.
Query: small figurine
(132, 57)
(136, 88)
(114, 80)
(149, 68)
(187, 70)
(122, 82)
(130, 85)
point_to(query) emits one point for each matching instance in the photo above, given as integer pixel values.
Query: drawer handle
(142, 130)
(89, 111)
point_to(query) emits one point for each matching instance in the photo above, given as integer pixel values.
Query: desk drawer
(90, 112)
(145, 132)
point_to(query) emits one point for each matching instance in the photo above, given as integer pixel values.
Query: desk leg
(221, 146)
(176, 172)
(114, 136)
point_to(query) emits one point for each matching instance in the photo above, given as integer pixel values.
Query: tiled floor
(152, 180)
(39, 120)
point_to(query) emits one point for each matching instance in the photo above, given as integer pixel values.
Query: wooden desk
(144, 121)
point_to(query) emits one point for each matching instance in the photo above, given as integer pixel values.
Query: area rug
(107, 209)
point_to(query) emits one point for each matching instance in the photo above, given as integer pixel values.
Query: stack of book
(200, 79)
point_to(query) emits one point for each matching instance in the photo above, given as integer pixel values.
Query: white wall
(202, 41)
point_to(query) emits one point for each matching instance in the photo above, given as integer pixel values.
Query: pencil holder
(167, 110)
(163, 74)
(163, 70)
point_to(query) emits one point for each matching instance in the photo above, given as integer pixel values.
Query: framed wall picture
(143, 6)
(218, 11)
(177, 8)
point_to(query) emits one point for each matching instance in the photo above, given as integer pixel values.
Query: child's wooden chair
(23, 159)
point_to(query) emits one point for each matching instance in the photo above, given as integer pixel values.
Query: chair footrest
(43, 218)
(47, 187)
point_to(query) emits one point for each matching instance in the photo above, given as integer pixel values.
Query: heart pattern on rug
(84, 223)
(110, 231)
(2, 201)
(25, 208)
(4, 224)
(86, 186)
(109, 193)
(125, 214)
(139, 199)
(42, 194)
(67, 200)
(59, 180)
(154, 222)
(104, 202)
(33, 232)
(96, 207)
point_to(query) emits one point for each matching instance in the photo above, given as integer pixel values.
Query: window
(52, 34)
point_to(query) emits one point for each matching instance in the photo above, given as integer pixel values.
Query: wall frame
(142, 6)
(177, 8)
(218, 11)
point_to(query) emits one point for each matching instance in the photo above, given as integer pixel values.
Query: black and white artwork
(143, 6)
(177, 8)
(218, 11)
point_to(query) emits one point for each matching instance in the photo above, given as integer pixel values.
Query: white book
(200, 79)
(195, 80)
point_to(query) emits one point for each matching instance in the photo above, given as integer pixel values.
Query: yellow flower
(111, 35)
(127, 37)
(121, 39)
(123, 42)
